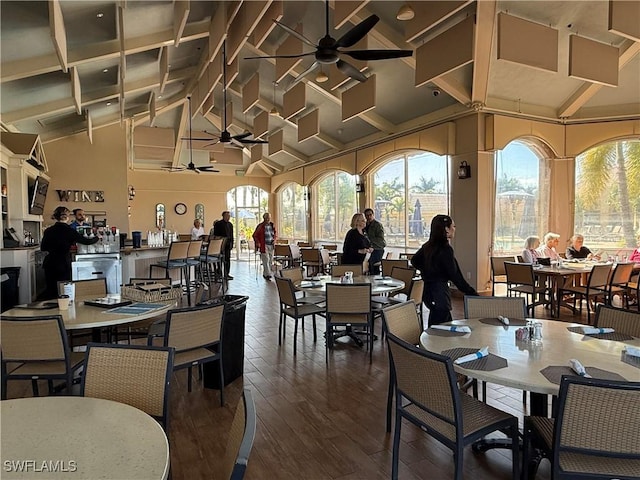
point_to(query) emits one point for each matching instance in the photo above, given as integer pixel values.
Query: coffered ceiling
(71, 67)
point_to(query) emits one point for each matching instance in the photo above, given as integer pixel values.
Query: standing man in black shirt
(224, 228)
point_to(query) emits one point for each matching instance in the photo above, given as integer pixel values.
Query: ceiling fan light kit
(405, 12)
(321, 77)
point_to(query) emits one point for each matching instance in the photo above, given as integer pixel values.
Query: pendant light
(274, 110)
(405, 13)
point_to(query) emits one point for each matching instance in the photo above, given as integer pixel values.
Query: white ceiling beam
(152, 108)
(89, 127)
(184, 116)
(628, 50)
(181, 9)
(453, 87)
(58, 33)
(98, 51)
(485, 25)
(67, 104)
(164, 67)
(76, 91)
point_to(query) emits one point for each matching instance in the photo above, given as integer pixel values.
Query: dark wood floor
(314, 422)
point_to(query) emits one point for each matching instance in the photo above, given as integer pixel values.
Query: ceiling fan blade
(378, 54)
(351, 71)
(252, 142)
(208, 169)
(299, 78)
(196, 139)
(291, 31)
(358, 32)
(297, 55)
(241, 136)
(175, 169)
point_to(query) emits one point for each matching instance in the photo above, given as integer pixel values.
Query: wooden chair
(36, 348)
(339, 270)
(619, 282)
(388, 264)
(296, 256)
(138, 375)
(521, 280)
(196, 335)
(295, 274)
(211, 261)
(176, 259)
(290, 306)
(499, 271)
(282, 254)
(623, 321)
(491, 307)
(311, 261)
(348, 305)
(404, 274)
(241, 437)
(428, 397)
(594, 435)
(402, 321)
(597, 284)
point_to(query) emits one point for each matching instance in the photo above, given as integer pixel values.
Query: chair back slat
(293, 273)
(194, 248)
(240, 439)
(623, 321)
(33, 339)
(498, 265)
(87, 288)
(404, 275)
(402, 321)
(622, 274)
(417, 288)
(135, 375)
(281, 250)
(190, 328)
(388, 264)
(491, 307)
(599, 276)
(178, 250)
(519, 273)
(215, 246)
(286, 291)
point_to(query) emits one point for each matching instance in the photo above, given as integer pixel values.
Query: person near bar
(356, 244)
(80, 219)
(265, 238)
(375, 232)
(58, 240)
(197, 232)
(224, 228)
(438, 265)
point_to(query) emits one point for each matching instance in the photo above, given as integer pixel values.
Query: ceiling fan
(191, 166)
(238, 141)
(327, 51)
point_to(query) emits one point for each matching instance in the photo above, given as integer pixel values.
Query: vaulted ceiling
(75, 66)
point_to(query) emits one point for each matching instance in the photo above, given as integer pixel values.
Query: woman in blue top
(438, 266)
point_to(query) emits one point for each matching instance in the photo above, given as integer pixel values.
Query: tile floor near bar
(314, 422)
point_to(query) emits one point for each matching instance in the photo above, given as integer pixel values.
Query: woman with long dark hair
(57, 240)
(438, 265)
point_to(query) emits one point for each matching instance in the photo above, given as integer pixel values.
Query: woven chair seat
(544, 430)
(600, 465)
(303, 309)
(349, 319)
(49, 368)
(529, 289)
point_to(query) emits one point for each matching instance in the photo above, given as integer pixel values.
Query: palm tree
(425, 186)
(612, 167)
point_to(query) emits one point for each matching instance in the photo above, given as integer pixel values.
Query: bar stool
(176, 259)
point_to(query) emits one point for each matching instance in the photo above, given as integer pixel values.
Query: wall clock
(180, 208)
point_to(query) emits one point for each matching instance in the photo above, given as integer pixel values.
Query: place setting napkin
(448, 330)
(555, 373)
(601, 333)
(631, 356)
(501, 321)
(476, 358)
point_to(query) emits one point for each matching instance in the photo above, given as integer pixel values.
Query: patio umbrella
(415, 224)
(242, 213)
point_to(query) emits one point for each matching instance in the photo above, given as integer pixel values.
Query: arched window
(292, 213)
(334, 200)
(518, 212)
(246, 204)
(607, 206)
(406, 212)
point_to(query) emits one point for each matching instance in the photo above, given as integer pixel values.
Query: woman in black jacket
(438, 265)
(57, 240)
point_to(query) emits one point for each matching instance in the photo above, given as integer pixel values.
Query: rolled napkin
(577, 367)
(633, 351)
(483, 352)
(452, 328)
(503, 320)
(595, 331)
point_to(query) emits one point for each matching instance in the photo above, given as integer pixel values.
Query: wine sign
(81, 195)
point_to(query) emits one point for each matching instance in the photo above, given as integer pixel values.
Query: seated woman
(548, 249)
(530, 254)
(356, 244)
(577, 249)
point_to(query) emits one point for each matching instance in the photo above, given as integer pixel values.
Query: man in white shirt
(197, 231)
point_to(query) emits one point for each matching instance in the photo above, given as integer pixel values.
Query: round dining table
(80, 437)
(526, 360)
(80, 316)
(379, 285)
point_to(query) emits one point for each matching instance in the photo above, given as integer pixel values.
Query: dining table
(80, 315)
(380, 285)
(80, 437)
(535, 367)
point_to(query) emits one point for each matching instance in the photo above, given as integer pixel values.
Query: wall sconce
(464, 170)
(359, 184)
(132, 192)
